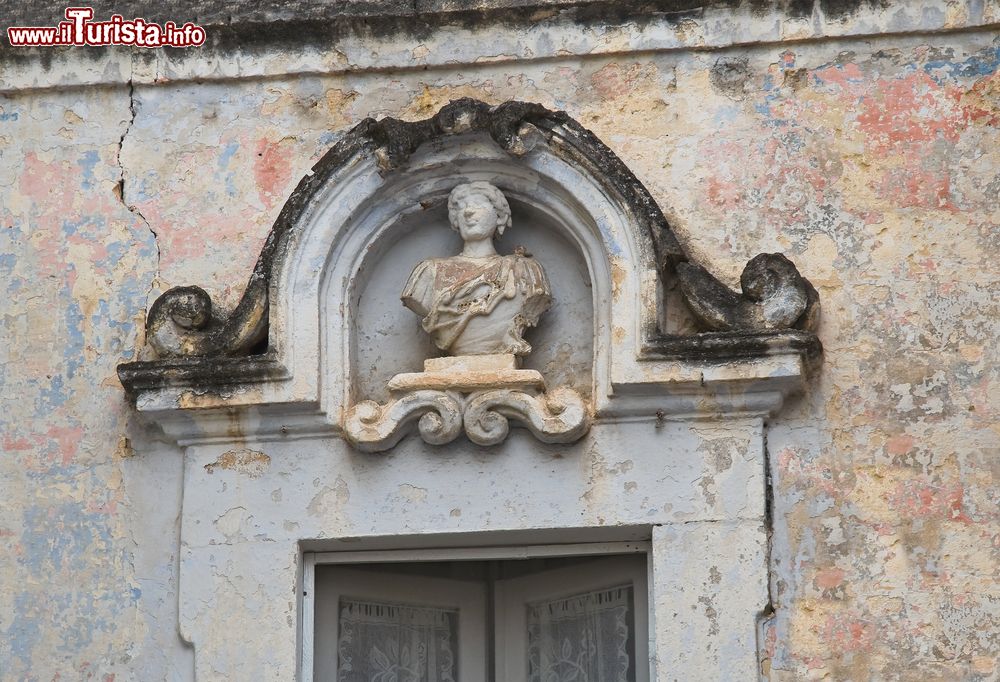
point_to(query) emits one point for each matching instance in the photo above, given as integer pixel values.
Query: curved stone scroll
(372, 427)
(557, 417)
(775, 296)
(182, 322)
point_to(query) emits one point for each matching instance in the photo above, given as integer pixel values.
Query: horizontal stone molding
(283, 39)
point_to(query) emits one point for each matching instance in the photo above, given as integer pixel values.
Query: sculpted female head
(478, 210)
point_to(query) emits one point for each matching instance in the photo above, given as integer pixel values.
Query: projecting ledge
(713, 376)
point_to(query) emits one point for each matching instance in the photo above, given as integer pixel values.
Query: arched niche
(584, 245)
(387, 339)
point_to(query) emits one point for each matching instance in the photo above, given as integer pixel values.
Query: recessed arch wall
(357, 221)
(388, 338)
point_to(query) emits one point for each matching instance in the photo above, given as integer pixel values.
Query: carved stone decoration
(775, 296)
(475, 306)
(479, 302)
(479, 393)
(260, 352)
(559, 416)
(319, 363)
(182, 322)
(373, 427)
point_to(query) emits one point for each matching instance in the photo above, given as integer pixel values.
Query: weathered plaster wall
(872, 162)
(87, 574)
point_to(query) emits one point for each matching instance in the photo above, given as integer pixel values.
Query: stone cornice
(247, 21)
(272, 39)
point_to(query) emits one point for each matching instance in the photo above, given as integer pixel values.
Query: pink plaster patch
(979, 103)
(98, 250)
(272, 170)
(815, 663)
(846, 633)
(722, 193)
(770, 641)
(884, 529)
(42, 181)
(922, 499)
(899, 445)
(68, 438)
(914, 187)
(846, 76)
(829, 578)
(909, 110)
(11, 444)
(615, 80)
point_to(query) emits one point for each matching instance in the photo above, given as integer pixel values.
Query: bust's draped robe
(477, 306)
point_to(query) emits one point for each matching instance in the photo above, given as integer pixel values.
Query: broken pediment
(571, 301)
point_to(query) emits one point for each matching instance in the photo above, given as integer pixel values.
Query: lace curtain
(395, 643)
(584, 638)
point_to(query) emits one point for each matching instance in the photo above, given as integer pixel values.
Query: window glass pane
(383, 642)
(584, 638)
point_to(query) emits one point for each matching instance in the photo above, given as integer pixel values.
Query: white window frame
(310, 560)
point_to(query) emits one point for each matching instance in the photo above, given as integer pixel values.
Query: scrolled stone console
(479, 395)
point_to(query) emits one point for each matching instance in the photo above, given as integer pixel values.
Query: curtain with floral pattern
(381, 642)
(583, 638)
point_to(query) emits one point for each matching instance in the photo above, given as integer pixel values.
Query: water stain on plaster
(732, 77)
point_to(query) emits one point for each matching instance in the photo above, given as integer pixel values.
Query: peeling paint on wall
(872, 162)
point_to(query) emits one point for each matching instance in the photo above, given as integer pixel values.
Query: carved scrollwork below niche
(479, 395)
(559, 416)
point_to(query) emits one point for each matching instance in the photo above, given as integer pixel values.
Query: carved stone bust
(478, 302)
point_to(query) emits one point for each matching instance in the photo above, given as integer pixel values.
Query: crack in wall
(120, 187)
(767, 614)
